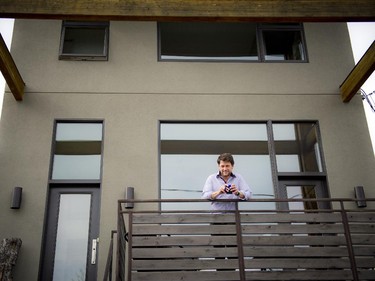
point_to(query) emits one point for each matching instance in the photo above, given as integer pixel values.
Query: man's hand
(236, 192)
(217, 193)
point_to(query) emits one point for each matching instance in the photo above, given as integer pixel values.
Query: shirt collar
(218, 175)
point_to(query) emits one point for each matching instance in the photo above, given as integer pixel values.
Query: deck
(325, 244)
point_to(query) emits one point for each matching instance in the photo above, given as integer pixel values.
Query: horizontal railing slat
(145, 218)
(254, 263)
(274, 240)
(361, 216)
(250, 275)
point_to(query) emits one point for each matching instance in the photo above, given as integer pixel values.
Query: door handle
(93, 250)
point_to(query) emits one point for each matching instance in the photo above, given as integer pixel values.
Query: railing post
(109, 264)
(121, 245)
(241, 259)
(349, 243)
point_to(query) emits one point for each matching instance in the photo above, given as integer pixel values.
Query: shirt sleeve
(208, 188)
(244, 188)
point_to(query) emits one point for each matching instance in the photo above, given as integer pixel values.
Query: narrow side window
(283, 42)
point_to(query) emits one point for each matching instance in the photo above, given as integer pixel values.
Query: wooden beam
(181, 10)
(10, 71)
(358, 76)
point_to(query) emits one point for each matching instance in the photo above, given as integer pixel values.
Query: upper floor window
(84, 41)
(209, 41)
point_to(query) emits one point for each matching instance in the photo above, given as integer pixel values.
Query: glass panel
(77, 151)
(288, 163)
(81, 40)
(213, 132)
(72, 237)
(283, 45)
(297, 148)
(301, 192)
(182, 185)
(252, 160)
(79, 131)
(256, 169)
(67, 167)
(219, 41)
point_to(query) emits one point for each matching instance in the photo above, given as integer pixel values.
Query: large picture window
(264, 152)
(210, 41)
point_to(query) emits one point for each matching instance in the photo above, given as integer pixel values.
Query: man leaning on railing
(225, 185)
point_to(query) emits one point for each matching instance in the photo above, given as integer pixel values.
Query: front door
(71, 234)
(72, 215)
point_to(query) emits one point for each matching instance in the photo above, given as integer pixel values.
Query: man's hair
(226, 157)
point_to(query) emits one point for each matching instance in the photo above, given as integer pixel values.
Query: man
(225, 185)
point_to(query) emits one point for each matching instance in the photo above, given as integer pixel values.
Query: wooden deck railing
(334, 244)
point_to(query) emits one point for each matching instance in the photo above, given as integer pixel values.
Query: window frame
(260, 27)
(52, 181)
(277, 177)
(83, 56)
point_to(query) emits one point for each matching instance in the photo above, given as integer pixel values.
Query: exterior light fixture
(16, 198)
(130, 196)
(360, 196)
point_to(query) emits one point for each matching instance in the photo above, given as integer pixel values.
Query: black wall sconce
(359, 194)
(129, 195)
(16, 198)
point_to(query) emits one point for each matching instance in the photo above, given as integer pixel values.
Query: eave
(212, 10)
(179, 10)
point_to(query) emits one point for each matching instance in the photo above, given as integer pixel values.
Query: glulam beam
(358, 76)
(181, 10)
(10, 72)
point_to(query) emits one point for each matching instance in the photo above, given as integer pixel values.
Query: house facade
(151, 109)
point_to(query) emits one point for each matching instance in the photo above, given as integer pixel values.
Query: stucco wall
(133, 91)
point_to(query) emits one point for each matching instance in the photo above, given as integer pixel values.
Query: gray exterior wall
(133, 91)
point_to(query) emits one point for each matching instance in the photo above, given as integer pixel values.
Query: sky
(362, 35)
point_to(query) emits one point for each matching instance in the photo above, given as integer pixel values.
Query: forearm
(215, 194)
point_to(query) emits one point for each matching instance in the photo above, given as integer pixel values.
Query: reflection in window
(205, 41)
(77, 153)
(297, 147)
(84, 41)
(301, 192)
(283, 45)
(213, 41)
(189, 153)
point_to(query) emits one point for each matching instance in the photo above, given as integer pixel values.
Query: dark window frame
(264, 27)
(277, 176)
(84, 56)
(260, 28)
(52, 181)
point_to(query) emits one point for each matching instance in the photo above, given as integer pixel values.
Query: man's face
(225, 168)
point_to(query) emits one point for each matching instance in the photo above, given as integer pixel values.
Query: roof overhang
(180, 10)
